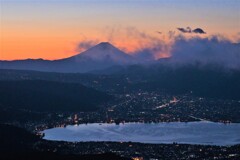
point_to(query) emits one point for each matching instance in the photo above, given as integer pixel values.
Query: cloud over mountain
(213, 50)
(182, 49)
(142, 45)
(86, 44)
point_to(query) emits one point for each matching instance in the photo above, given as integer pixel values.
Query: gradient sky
(52, 29)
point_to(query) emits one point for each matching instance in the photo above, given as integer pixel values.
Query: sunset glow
(53, 29)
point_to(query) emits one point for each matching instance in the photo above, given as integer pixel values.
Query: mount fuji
(102, 56)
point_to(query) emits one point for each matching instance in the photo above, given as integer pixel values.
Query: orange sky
(53, 30)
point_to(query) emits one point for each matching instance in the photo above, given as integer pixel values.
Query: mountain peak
(105, 45)
(105, 52)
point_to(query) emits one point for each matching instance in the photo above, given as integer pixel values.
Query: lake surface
(206, 133)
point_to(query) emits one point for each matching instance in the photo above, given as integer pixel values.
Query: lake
(206, 133)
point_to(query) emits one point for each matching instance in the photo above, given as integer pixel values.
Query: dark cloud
(199, 30)
(214, 50)
(189, 30)
(185, 30)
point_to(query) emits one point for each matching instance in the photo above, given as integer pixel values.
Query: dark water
(207, 133)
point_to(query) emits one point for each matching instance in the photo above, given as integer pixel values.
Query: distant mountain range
(101, 56)
(200, 81)
(106, 58)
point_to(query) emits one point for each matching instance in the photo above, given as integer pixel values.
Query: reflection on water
(180, 132)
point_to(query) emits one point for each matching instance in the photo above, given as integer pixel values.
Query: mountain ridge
(101, 56)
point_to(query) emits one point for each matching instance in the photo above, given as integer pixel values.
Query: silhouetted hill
(54, 156)
(50, 96)
(98, 57)
(18, 144)
(14, 139)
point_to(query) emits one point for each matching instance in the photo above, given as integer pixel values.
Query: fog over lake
(207, 133)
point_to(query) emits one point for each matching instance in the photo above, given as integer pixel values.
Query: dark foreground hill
(14, 139)
(18, 144)
(55, 156)
(50, 96)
